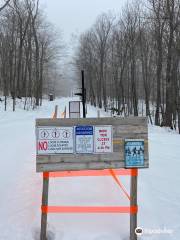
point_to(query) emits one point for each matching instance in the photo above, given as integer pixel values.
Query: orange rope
(119, 184)
(89, 209)
(89, 173)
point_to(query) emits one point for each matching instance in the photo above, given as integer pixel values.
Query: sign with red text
(91, 143)
(103, 139)
(55, 140)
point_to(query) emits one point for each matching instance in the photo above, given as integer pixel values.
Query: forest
(29, 52)
(132, 60)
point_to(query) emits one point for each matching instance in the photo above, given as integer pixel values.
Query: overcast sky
(75, 16)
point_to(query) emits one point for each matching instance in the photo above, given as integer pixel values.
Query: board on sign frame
(82, 157)
(74, 109)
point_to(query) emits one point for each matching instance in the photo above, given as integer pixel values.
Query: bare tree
(27, 50)
(5, 4)
(136, 59)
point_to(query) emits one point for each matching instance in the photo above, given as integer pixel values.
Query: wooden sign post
(44, 203)
(92, 144)
(45, 197)
(133, 202)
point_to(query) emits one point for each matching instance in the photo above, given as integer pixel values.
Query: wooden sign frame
(123, 128)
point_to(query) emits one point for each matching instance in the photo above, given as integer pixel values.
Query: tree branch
(5, 4)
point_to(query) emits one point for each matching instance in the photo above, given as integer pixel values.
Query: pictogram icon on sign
(44, 134)
(66, 134)
(55, 134)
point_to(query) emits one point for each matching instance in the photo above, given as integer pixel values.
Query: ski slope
(21, 187)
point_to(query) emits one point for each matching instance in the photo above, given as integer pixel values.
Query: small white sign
(103, 139)
(74, 109)
(55, 140)
(74, 106)
(84, 139)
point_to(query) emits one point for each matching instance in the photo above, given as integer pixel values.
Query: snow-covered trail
(19, 183)
(21, 186)
(159, 194)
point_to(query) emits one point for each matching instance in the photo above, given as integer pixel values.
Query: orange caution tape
(88, 209)
(89, 173)
(134, 172)
(46, 174)
(119, 183)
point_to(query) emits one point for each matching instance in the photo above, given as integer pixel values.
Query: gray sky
(75, 16)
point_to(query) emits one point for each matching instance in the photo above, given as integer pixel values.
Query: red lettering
(45, 146)
(103, 135)
(103, 130)
(103, 139)
(42, 146)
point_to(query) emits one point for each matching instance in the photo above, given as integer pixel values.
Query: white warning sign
(84, 139)
(103, 139)
(55, 140)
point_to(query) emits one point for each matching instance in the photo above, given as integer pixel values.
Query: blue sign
(134, 153)
(84, 130)
(84, 139)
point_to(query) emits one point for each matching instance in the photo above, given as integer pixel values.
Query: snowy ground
(21, 186)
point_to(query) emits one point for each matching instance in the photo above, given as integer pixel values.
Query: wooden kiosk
(92, 144)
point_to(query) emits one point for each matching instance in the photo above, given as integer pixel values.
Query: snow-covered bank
(159, 194)
(21, 186)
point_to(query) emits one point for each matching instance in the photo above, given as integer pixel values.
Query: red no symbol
(42, 146)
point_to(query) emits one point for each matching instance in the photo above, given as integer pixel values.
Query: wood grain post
(56, 111)
(45, 196)
(44, 203)
(133, 202)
